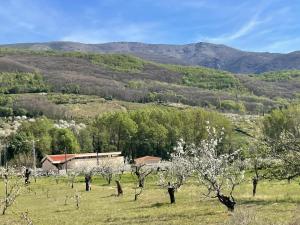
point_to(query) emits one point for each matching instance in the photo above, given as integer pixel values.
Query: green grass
(275, 203)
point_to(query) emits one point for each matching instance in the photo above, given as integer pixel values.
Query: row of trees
(155, 131)
(148, 131)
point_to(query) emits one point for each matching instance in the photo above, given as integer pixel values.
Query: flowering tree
(13, 184)
(104, 169)
(286, 153)
(175, 173)
(220, 173)
(282, 133)
(259, 159)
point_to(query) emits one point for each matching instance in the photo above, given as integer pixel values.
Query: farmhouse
(80, 161)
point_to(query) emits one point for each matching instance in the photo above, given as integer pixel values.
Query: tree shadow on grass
(109, 196)
(155, 205)
(62, 210)
(267, 202)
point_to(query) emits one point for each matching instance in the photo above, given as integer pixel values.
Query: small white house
(80, 161)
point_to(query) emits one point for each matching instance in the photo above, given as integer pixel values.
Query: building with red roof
(80, 161)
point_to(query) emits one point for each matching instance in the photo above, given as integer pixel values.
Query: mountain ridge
(216, 56)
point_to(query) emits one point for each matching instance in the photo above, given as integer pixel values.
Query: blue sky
(254, 25)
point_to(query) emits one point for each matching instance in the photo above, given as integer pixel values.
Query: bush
(20, 112)
(5, 111)
(232, 106)
(20, 82)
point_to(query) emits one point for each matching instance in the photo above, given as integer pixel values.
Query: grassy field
(45, 202)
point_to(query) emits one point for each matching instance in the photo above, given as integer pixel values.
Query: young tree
(140, 172)
(13, 184)
(259, 159)
(72, 177)
(218, 172)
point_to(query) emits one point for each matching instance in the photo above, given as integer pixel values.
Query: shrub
(5, 111)
(232, 106)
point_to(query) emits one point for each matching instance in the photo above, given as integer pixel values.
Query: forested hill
(196, 54)
(131, 79)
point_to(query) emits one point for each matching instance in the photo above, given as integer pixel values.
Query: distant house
(80, 161)
(147, 160)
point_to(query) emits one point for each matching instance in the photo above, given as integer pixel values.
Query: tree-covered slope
(132, 79)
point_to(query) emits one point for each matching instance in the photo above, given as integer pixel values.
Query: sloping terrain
(131, 79)
(197, 54)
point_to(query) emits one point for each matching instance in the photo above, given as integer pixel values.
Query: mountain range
(197, 54)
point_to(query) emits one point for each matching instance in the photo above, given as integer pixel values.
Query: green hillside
(131, 79)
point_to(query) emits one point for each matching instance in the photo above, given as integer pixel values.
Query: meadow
(46, 202)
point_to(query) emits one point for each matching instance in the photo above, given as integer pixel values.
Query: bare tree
(140, 172)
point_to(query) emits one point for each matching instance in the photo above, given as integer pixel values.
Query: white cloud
(244, 30)
(284, 46)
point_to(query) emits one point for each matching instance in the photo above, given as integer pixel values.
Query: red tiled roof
(60, 158)
(147, 160)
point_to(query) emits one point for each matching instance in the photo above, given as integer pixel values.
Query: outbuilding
(80, 161)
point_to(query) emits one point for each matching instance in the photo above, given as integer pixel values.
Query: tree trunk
(109, 179)
(87, 186)
(227, 201)
(119, 188)
(141, 182)
(171, 191)
(137, 193)
(254, 182)
(88, 179)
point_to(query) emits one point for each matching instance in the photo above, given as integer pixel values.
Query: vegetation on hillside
(116, 62)
(18, 82)
(203, 77)
(130, 79)
(282, 75)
